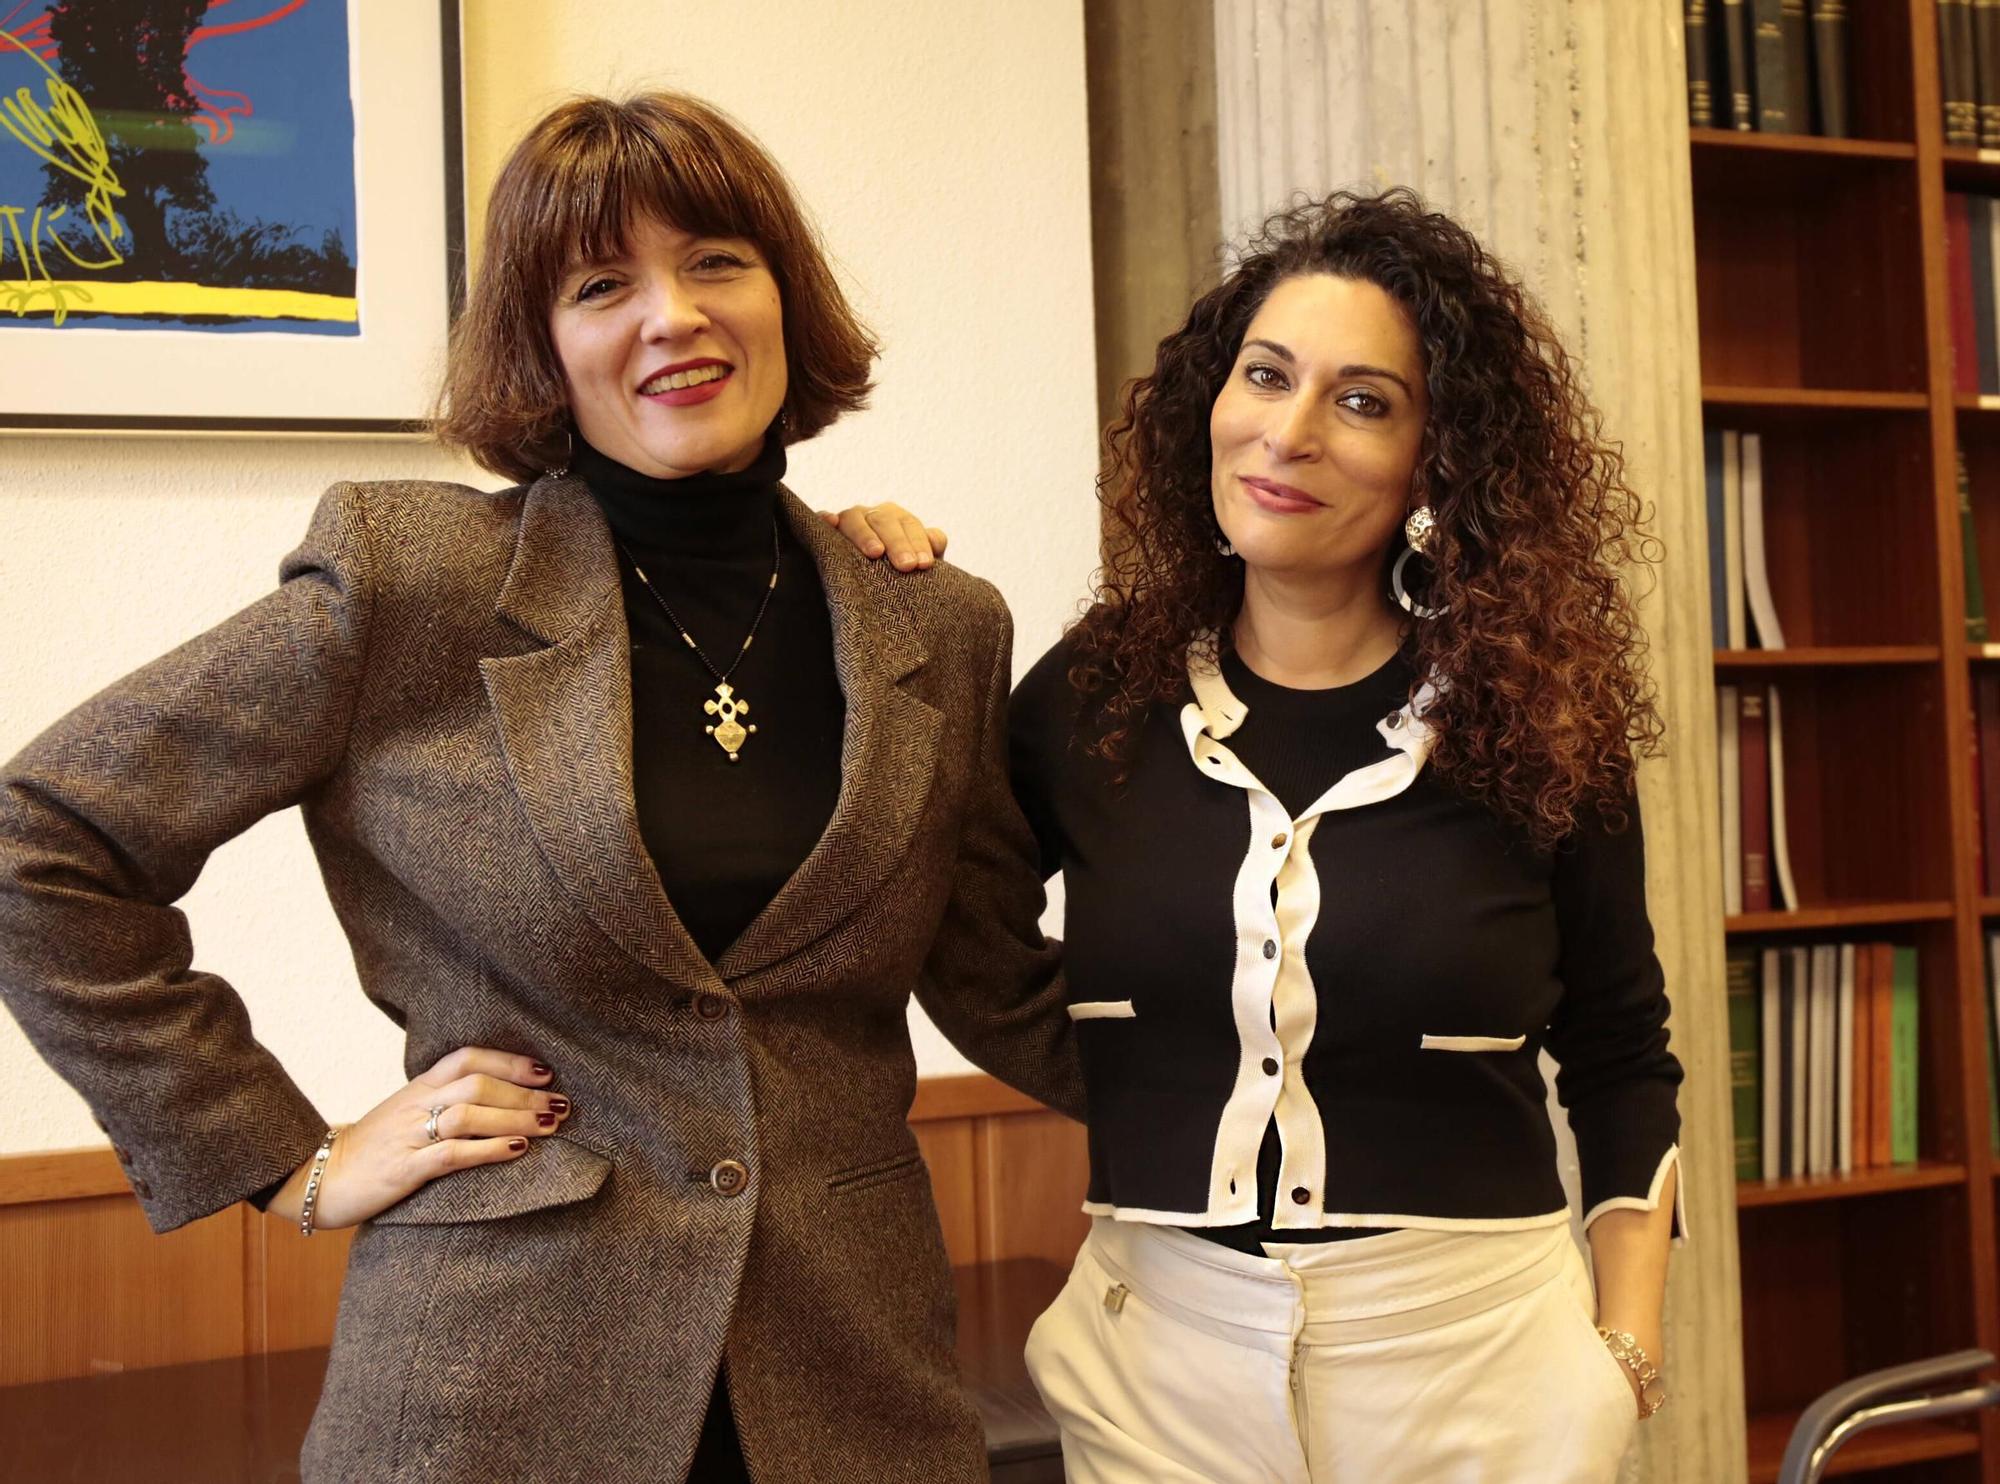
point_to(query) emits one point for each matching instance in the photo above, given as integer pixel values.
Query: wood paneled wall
(85, 1286)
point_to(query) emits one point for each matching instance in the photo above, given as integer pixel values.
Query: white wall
(942, 148)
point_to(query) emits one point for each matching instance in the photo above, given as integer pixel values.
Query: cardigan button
(1270, 1066)
(1278, 840)
(1300, 1195)
(1393, 720)
(729, 1178)
(1270, 948)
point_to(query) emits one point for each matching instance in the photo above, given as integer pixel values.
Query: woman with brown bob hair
(1339, 772)
(648, 901)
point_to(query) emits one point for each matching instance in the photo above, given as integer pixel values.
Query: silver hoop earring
(1401, 594)
(569, 452)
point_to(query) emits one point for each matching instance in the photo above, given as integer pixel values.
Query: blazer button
(124, 1155)
(729, 1178)
(1393, 720)
(141, 1189)
(1270, 948)
(1270, 1066)
(710, 1006)
(1278, 840)
(1300, 1195)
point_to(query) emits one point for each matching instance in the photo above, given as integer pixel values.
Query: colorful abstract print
(177, 165)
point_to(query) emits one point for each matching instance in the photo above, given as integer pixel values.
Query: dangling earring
(1223, 548)
(1417, 529)
(569, 451)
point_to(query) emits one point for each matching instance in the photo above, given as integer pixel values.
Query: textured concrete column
(1556, 130)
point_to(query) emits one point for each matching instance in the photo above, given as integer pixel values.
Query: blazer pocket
(1102, 1010)
(554, 1172)
(1474, 1043)
(876, 1172)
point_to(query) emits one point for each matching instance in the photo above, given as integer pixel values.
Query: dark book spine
(1773, 113)
(1957, 75)
(1958, 264)
(1736, 52)
(1753, 746)
(1829, 28)
(1968, 540)
(1798, 65)
(1979, 209)
(1701, 103)
(1986, 49)
(1745, 1063)
(1986, 699)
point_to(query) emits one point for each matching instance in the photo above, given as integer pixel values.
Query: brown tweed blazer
(442, 682)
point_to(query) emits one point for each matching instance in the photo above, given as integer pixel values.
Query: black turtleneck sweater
(724, 836)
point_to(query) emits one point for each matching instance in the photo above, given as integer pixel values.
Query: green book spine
(1903, 1059)
(1968, 539)
(1746, 1063)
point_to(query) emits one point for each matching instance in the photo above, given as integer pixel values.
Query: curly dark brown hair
(1543, 702)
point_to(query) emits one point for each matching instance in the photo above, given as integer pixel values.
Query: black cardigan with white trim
(1374, 976)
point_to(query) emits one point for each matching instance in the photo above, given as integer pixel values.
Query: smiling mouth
(680, 381)
(1278, 496)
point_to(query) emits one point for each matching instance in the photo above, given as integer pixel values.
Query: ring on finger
(431, 1134)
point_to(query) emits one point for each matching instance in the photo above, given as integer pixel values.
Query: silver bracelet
(320, 1156)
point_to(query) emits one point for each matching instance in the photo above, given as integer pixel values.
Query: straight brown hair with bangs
(569, 193)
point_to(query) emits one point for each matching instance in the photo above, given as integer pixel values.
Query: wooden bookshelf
(1824, 311)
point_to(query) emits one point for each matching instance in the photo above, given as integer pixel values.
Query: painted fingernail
(540, 1069)
(517, 1145)
(559, 1105)
(545, 1120)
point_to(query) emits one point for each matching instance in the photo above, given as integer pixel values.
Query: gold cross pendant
(729, 733)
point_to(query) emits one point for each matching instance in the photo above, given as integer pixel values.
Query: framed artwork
(227, 215)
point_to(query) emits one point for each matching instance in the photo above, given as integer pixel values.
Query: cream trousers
(1414, 1357)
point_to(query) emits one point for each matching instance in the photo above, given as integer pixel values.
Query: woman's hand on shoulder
(491, 1103)
(889, 530)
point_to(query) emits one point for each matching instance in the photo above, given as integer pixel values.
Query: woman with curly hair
(1338, 770)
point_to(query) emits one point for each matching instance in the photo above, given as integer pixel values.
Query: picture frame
(282, 281)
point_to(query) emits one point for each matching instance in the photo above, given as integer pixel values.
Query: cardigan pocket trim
(554, 1172)
(1102, 1010)
(1474, 1043)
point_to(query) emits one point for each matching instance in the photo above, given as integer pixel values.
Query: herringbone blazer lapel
(565, 718)
(888, 754)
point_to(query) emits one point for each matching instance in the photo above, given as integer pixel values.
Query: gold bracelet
(311, 1200)
(1627, 1351)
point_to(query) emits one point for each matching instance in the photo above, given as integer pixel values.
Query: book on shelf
(1958, 274)
(1753, 750)
(1784, 890)
(1735, 57)
(1797, 41)
(1773, 85)
(1735, 613)
(1958, 73)
(1881, 973)
(1745, 1081)
(1829, 45)
(1843, 1060)
(1701, 102)
(1968, 545)
(1990, 1006)
(1729, 770)
(1770, 1058)
(1756, 575)
(1986, 707)
(1979, 792)
(1823, 1058)
(1984, 350)
(1903, 1059)
(1986, 62)
(1718, 533)
(1799, 1061)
